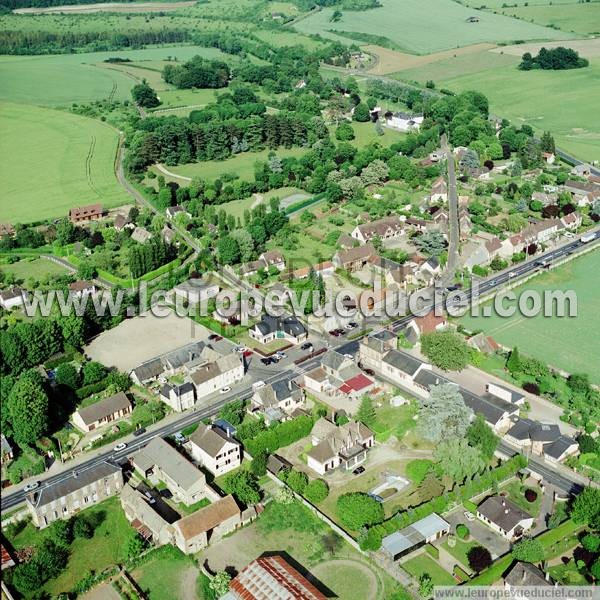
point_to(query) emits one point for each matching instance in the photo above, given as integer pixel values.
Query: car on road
(139, 431)
(275, 359)
(307, 346)
(358, 471)
(149, 497)
(224, 390)
(31, 486)
(282, 354)
(266, 361)
(469, 516)
(334, 333)
(369, 372)
(353, 325)
(214, 337)
(120, 447)
(511, 274)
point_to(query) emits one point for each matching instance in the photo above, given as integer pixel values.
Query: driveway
(496, 544)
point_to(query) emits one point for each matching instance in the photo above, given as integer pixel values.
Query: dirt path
(105, 7)
(187, 590)
(170, 174)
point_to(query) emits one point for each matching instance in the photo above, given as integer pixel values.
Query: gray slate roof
(211, 440)
(400, 360)
(527, 575)
(103, 408)
(501, 511)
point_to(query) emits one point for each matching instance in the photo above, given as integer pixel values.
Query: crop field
(571, 343)
(409, 25)
(570, 111)
(113, 7)
(494, 4)
(59, 80)
(581, 18)
(53, 161)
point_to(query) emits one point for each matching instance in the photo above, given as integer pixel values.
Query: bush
(479, 558)
(316, 491)
(532, 388)
(462, 531)
(416, 470)
(297, 481)
(370, 539)
(530, 495)
(356, 510)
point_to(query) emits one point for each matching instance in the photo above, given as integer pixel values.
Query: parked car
(247, 353)
(334, 333)
(215, 337)
(258, 384)
(306, 346)
(349, 356)
(275, 359)
(353, 325)
(341, 332)
(369, 372)
(166, 493)
(180, 438)
(31, 486)
(139, 431)
(469, 515)
(149, 497)
(358, 470)
(224, 390)
(282, 354)
(120, 447)
(266, 361)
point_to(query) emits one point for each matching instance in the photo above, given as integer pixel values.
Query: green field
(572, 344)
(53, 161)
(582, 18)
(59, 80)
(410, 26)
(563, 102)
(36, 268)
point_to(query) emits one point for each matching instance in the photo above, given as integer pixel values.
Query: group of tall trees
(144, 258)
(198, 72)
(555, 59)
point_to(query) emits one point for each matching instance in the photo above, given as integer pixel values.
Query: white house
(404, 121)
(277, 401)
(505, 517)
(178, 397)
(285, 328)
(12, 297)
(216, 451)
(213, 376)
(82, 288)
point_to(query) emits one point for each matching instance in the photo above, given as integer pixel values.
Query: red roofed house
(358, 384)
(271, 577)
(324, 269)
(81, 214)
(427, 324)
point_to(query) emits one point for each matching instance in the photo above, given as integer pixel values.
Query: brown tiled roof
(429, 322)
(304, 271)
(83, 212)
(80, 285)
(381, 226)
(352, 254)
(208, 518)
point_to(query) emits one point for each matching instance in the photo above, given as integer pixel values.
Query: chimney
(523, 574)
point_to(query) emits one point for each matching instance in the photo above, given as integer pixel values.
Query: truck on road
(588, 237)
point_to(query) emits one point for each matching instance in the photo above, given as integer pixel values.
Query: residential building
(6, 229)
(192, 533)
(429, 270)
(504, 517)
(121, 222)
(168, 235)
(270, 578)
(173, 211)
(6, 450)
(526, 575)
(354, 259)
(549, 157)
(387, 228)
(336, 446)
(271, 258)
(102, 412)
(324, 269)
(464, 223)
(141, 235)
(542, 439)
(178, 397)
(159, 461)
(403, 121)
(213, 376)
(545, 198)
(439, 190)
(91, 212)
(278, 328)
(66, 497)
(571, 221)
(195, 291)
(82, 288)
(13, 297)
(428, 323)
(215, 450)
(277, 401)
(424, 531)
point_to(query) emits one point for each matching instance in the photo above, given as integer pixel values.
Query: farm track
(113, 91)
(88, 167)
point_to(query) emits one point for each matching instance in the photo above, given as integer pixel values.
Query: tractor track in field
(113, 91)
(88, 166)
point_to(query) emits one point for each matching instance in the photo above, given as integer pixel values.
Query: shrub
(316, 491)
(297, 481)
(479, 558)
(532, 388)
(530, 495)
(462, 531)
(356, 510)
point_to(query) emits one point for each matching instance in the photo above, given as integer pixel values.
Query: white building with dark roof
(277, 401)
(13, 297)
(426, 530)
(284, 328)
(178, 397)
(505, 517)
(102, 412)
(216, 451)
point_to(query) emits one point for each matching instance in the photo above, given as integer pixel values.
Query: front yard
(424, 564)
(516, 492)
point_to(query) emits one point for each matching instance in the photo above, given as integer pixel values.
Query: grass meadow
(53, 161)
(571, 343)
(410, 27)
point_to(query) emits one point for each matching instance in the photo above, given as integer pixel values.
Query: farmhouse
(64, 498)
(159, 461)
(334, 446)
(121, 222)
(354, 259)
(270, 577)
(215, 450)
(505, 517)
(102, 412)
(173, 211)
(81, 214)
(386, 228)
(427, 530)
(403, 121)
(12, 297)
(273, 328)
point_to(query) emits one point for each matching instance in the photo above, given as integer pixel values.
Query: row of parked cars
(342, 331)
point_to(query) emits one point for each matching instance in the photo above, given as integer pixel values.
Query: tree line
(143, 258)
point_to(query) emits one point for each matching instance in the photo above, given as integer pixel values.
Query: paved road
(453, 225)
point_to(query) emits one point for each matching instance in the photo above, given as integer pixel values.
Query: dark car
(139, 431)
(275, 358)
(166, 493)
(358, 471)
(369, 372)
(353, 325)
(214, 337)
(306, 346)
(266, 361)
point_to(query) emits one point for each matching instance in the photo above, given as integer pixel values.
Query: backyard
(423, 564)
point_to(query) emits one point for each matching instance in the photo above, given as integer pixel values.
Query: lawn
(54, 161)
(103, 550)
(572, 343)
(522, 96)
(36, 269)
(423, 563)
(460, 550)
(238, 207)
(168, 576)
(401, 22)
(365, 133)
(307, 250)
(241, 165)
(516, 493)
(395, 421)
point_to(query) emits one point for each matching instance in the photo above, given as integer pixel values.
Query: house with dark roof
(12, 297)
(523, 574)
(334, 446)
(6, 450)
(121, 222)
(271, 328)
(270, 578)
(67, 496)
(504, 517)
(276, 401)
(407, 540)
(159, 461)
(354, 259)
(102, 412)
(178, 397)
(390, 227)
(439, 190)
(215, 450)
(270, 258)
